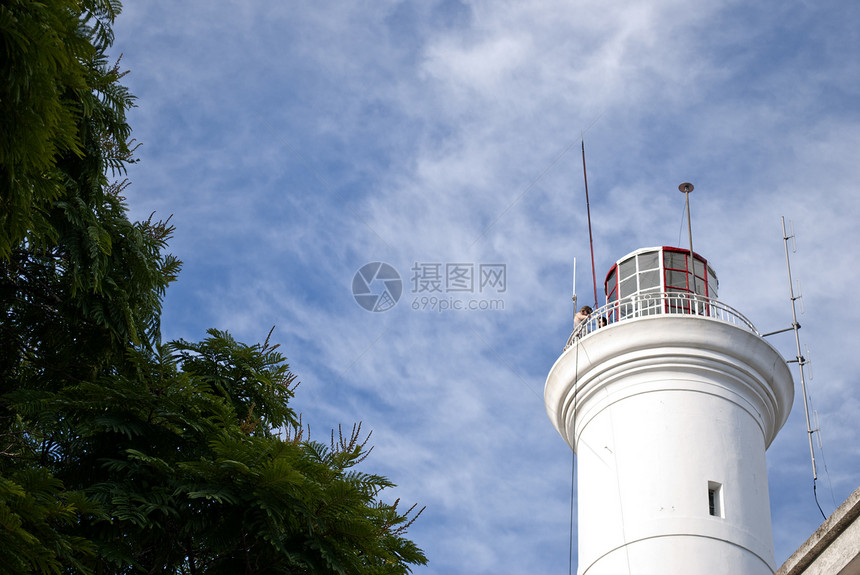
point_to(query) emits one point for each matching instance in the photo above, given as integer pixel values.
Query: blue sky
(296, 142)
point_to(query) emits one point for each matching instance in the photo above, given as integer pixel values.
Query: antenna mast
(799, 359)
(588, 210)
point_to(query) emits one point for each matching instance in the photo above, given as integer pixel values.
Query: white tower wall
(658, 410)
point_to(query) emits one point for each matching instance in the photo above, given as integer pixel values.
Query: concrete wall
(834, 549)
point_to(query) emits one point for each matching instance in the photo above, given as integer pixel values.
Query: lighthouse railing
(658, 303)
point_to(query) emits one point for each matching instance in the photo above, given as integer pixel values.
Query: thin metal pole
(686, 188)
(590, 239)
(801, 361)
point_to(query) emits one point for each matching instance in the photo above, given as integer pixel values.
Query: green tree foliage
(120, 454)
(62, 111)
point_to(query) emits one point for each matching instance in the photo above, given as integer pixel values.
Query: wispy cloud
(296, 143)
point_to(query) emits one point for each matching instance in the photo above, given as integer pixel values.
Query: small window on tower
(715, 499)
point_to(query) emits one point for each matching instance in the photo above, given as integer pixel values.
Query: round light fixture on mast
(686, 188)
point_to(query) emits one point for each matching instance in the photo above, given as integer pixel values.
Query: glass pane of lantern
(628, 268)
(649, 280)
(713, 283)
(700, 268)
(676, 260)
(610, 287)
(628, 287)
(648, 261)
(676, 279)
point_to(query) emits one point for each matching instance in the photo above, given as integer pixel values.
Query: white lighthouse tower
(669, 398)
